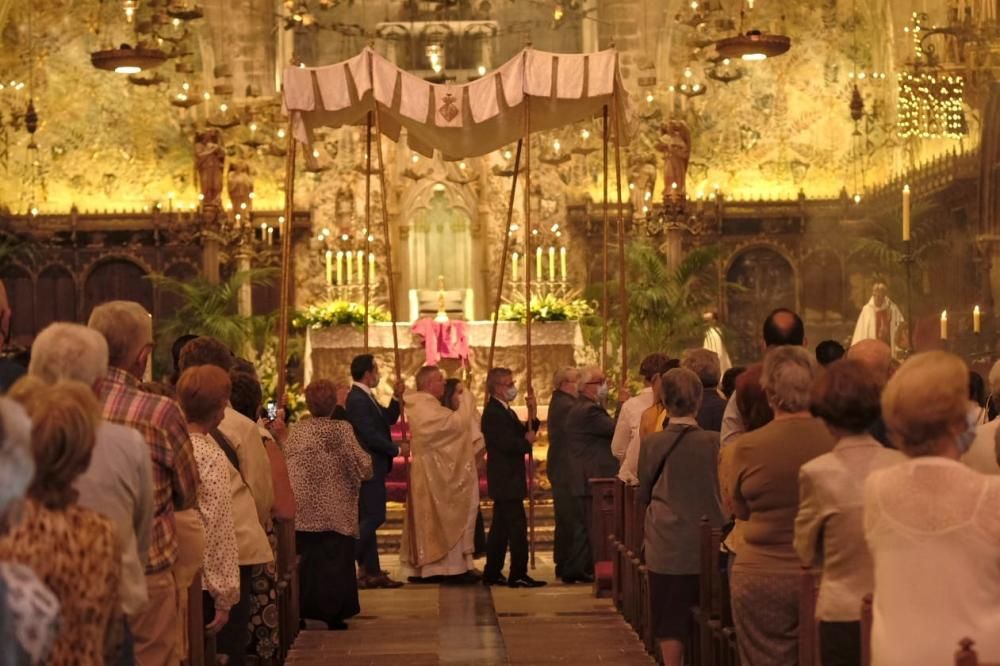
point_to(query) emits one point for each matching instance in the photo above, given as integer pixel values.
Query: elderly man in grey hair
(564, 394)
(119, 482)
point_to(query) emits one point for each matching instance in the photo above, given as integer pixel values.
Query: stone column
(210, 243)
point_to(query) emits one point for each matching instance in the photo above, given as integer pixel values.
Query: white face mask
(602, 391)
(510, 394)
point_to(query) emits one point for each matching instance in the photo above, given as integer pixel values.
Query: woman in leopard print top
(73, 550)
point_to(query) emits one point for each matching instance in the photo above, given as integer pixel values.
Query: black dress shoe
(336, 625)
(525, 581)
(499, 579)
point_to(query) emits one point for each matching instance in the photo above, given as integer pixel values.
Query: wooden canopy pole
(286, 266)
(605, 272)
(528, 257)
(366, 262)
(622, 292)
(503, 259)
(389, 275)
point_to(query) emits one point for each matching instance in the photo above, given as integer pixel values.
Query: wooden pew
(616, 544)
(601, 526)
(966, 656)
(713, 639)
(201, 645)
(808, 627)
(287, 590)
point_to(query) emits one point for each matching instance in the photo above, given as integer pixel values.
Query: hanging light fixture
(753, 45)
(128, 59)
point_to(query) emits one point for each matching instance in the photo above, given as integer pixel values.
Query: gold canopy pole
(368, 220)
(286, 264)
(503, 259)
(527, 316)
(622, 293)
(389, 276)
(605, 272)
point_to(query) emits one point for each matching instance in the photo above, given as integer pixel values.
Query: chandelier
(128, 59)
(753, 45)
(931, 101)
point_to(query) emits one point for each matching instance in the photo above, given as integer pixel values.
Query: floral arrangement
(548, 308)
(338, 313)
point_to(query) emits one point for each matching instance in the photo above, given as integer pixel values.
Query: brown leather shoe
(383, 581)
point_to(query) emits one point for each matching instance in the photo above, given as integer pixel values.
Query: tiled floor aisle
(420, 625)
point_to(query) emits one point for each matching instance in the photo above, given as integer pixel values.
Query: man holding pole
(508, 440)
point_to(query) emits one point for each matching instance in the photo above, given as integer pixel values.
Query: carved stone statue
(642, 174)
(675, 144)
(240, 186)
(210, 157)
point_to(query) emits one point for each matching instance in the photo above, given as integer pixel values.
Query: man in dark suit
(705, 364)
(507, 442)
(563, 398)
(589, 430)
(371, 422)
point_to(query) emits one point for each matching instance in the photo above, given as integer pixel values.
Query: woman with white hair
(932, 524)
(982, 454)
(30, 610)
(763, 476)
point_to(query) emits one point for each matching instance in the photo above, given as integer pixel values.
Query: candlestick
(538, 264)
(977, 321)
(340, 267)
(562, 263)
(513, 265)
(552, 264)
(329, 267)
(944, 324)
(350, 267)
(906, 212)
(371, 266)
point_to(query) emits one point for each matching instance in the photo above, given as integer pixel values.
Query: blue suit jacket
(371, 423)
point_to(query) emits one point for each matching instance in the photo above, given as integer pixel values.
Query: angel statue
(240, 186)
(210, 158)
(675, 144)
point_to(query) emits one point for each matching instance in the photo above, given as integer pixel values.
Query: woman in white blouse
(932, 524)
(203, 392)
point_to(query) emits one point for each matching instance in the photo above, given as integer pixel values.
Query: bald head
(875, 355)
(784, 327)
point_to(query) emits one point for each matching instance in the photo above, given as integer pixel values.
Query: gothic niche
(766, 281)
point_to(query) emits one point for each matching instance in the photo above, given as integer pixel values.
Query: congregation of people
(116, 494)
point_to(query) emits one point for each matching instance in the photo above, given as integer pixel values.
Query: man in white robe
(880, 319)
(713, 341)
(443, 495)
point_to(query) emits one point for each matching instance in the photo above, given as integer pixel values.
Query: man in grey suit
(564, 394)
(589, 430)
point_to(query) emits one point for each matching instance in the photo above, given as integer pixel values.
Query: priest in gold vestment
(443, 494)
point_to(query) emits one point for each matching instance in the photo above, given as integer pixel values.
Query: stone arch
(767, 280)
(117, 278)
(55, 295)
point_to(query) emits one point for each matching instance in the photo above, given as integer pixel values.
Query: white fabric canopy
(464, 120)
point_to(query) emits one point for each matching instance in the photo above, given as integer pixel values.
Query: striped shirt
(175, 472)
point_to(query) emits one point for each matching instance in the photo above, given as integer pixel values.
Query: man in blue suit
(371, 422)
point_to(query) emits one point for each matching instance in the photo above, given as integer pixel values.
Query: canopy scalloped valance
(467, 120)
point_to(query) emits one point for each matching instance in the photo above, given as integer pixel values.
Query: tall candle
(371, 266)
(263, 231)
(906, 212)
(944, 324)
(562, 263)
(513, 265)
(270, 235)
(538, 264)
(552, 264)
(340, 267)
(361, 266)
(350, 267)
(329, 267)
(977, 320)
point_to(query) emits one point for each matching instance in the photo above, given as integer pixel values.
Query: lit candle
(538, 264)
(350, 267)
(371, 266)
(562, 263)
(906, 212)
(552, 264)
(513, 265)
(944, 324)
(270, 235)
(263, 231)
(329, 267)
(361, 267)
(340, 267)
(977, 320)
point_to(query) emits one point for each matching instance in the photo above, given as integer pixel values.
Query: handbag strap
(663, 463)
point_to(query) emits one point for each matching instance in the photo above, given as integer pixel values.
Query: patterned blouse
(221, 567)
(74, 551)
(326, 466)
